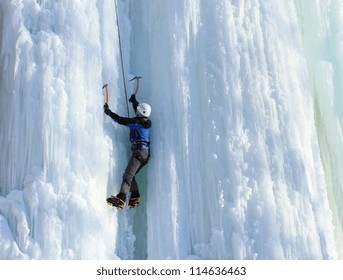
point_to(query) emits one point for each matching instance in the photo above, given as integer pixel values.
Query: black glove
(132, 98)
(106, 109)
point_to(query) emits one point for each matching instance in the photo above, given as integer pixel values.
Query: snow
(246, 132)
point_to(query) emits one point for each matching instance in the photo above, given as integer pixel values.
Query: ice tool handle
(106, 96)
(137, 83)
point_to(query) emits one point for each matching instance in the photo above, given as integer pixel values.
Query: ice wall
(55, 157)
(236, 166)
(322, 29)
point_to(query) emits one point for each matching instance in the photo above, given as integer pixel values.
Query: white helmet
(144, 109)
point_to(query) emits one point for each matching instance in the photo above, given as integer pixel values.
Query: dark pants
(138, 159)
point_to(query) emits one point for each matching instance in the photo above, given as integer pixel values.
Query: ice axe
(137, 83)
(106, 87)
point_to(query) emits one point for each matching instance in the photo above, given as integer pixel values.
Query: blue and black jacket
(139, 126)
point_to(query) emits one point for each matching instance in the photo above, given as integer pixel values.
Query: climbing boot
(134, 199)
(118, 201)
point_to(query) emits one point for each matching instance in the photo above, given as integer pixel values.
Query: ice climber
(140, 141)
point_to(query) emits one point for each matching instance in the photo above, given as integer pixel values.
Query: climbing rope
(121, 57)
